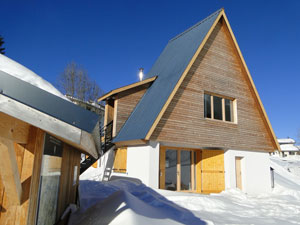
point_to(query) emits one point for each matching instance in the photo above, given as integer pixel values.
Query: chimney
(141, 74)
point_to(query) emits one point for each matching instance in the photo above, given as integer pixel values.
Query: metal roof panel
(46, 102)
(168, 68)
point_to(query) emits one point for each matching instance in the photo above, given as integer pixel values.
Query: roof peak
(197, 24)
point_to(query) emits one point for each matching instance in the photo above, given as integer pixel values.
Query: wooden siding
(218, 70)
(126, 103)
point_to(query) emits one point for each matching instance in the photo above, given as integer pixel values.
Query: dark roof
(46, 102)
(168, 68)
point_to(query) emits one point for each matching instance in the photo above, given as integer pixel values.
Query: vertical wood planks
(213, 179)
(36, 144)
(68, 188)
(120, 161)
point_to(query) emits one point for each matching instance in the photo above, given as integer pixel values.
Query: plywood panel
(217, 70)
(11, 213)
(13, 129)
(26, 172)
(213, 171)
(10, 170)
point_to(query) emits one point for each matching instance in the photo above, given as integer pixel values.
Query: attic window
(219, 108)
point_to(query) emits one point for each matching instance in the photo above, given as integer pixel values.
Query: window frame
(234, 108)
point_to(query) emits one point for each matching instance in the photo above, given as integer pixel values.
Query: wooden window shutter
(120, 162)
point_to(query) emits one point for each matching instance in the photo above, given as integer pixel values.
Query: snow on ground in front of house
(19, 71)
(127, 202)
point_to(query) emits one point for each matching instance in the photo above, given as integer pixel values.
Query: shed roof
(168, 68)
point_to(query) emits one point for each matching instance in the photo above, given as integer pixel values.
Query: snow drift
(120, 201)
(131, 202)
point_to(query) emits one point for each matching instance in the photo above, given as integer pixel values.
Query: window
(120, 162)
(219, 108)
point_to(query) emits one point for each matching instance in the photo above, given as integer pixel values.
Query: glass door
(185, 170)
(177, 169)
(171, 170)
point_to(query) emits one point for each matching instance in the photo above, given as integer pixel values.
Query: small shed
(42, 137)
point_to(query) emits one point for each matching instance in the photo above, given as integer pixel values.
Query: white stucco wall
(143, 163)
(256, 176)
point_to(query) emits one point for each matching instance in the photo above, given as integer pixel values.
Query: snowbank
(131, 202)
(127, 202)
(15, 69)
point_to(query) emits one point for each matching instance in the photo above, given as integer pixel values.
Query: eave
(72, 135)
(125, 88)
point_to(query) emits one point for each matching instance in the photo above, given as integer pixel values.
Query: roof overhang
(127, 87)
(130, 143)
(72, 135)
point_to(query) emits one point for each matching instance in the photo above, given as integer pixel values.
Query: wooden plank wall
(67, 189)
(212, 171)
(218, 70)
(10, 212)
(120, 161)
(126, 103)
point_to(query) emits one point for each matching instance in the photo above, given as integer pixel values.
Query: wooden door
(213, 180)
(238, 172)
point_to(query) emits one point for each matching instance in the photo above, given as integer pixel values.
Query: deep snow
(131, 202)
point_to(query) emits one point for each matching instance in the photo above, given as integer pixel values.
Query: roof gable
(169, 68)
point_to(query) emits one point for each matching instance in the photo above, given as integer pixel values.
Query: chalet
(196, 122)
(42, 137)
(288, 147)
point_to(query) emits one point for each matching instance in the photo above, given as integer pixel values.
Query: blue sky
(113, 39)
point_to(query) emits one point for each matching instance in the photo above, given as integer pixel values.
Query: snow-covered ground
(131, 202)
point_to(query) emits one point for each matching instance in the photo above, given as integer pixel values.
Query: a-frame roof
(171, 68)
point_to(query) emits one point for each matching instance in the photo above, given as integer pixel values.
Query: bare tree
(75, 82)
(1, 45)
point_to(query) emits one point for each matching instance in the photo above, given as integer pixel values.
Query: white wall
(256, 176)
(143, 163)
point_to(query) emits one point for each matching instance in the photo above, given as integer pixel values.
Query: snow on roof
(288, 147)
(19, 71)
(286, 141)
